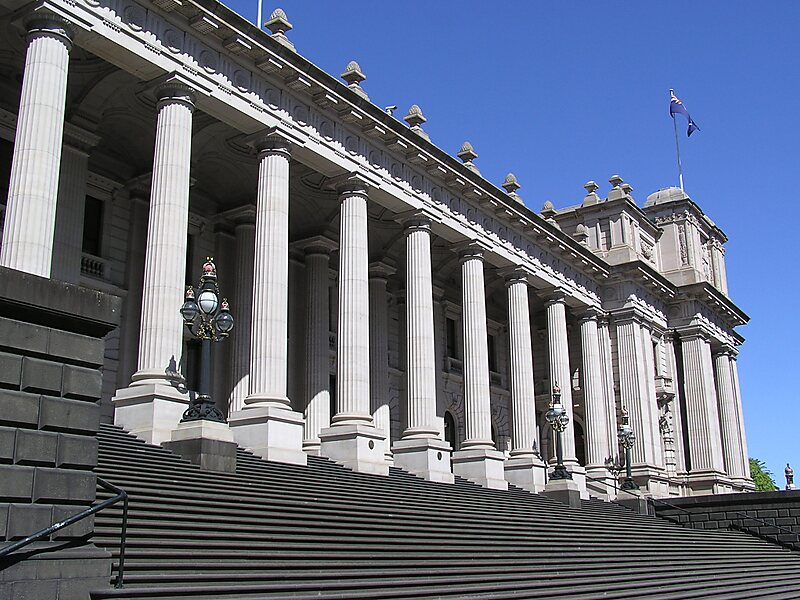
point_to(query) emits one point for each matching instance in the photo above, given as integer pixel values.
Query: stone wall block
(19, 409)
(25, 519)
(59, 485)
(82, 383)
(82, 528)
(3, 520)
(76, 451)
(75, 416)
(35, 448)
(33, 590)
(7, 440)
(75, 348)
(16, 483)
(41, 376)
(24, 338)
(10, 370)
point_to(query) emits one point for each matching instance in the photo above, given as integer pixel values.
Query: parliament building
(391, 305)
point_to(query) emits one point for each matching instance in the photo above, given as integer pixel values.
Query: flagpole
(260, 9)
(677, 146)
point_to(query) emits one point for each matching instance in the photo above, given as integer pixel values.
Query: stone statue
(789, 477)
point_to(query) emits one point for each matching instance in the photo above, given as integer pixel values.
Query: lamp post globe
(558, 419)
(207, 320)
(627, 438)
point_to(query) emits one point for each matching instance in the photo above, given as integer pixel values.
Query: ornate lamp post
(209, 321)
(626, 439)
(558, 419)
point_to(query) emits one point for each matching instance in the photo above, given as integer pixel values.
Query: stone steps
(322, 531)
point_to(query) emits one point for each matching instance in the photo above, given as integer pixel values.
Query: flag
(676, 107)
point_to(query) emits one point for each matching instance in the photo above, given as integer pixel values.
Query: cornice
(715, 300)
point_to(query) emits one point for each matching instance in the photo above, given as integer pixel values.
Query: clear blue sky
(563, 93)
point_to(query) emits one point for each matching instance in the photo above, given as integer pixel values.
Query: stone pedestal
(563, 490)
(600, 483)
(205, 443)
(151, 411)
(428, 458)
(526, 472)
(271, 432)
(481, 466)
(357, 446)
(633, 499)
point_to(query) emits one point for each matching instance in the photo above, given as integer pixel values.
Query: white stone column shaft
(523, 405)
(352, 368)
(243, 294)
(633, 388)
(607, 372)
(729, 421)
(702, 418)
(317, 375)
(652, 414)
(33, 188)
(161, 326)
(560, 374)
(379, 352)
(477, 399)
(742, 435)
(68, 237)
(268, 340)
(678, 421)
(420, 349)
(598, 445)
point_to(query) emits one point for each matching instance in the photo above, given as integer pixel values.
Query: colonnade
(262, 417)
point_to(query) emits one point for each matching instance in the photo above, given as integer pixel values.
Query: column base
(481, 466)
(600, 483)
(428, 458)
(743, 485)
(205, 443)
(703, 483)
(563, 490)
(150, 411)
(526, 472)
(356, 446)
(311, 447)
(270, 432)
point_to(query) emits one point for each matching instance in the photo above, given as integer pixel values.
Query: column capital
(589, 313)
(316, 245)
(693, 333)
(380, 270)
(471, 249)
(553, 296)
(350, 184)
(417, 219)
(515, 274)
(271, 143)
(175, 90)
(725, 350)
(240, 216)
(44, 23)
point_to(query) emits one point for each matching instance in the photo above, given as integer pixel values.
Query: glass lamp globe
(208, 302)
(189, 308)
(224, 319)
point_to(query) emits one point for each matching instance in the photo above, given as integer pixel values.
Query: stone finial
(591, 196)
(467, 154)
(616, 191)
(353, 75)
(279, 24)
(415, 119)
(615, 180)
(548, 210)
(511, 185)
(627, 188)
(581, 235)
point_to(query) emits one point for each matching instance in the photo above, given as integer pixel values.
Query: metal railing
(652, 502)
(120, 494)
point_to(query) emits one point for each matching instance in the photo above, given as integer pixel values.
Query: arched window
(450, 430)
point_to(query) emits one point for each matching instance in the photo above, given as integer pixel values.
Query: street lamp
(558, 419)
(626, 439)
(209, 321)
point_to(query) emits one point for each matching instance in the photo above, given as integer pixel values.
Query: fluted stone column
(352, 439)
(560, 373)
(477, 460)
(747, 482)
(607, 373)
(245, 232)
(267, 425)
(678, 421)
(317, 373)
(524, 469)
(702, 415)
(379, 274)
(421, 450)
(653, 414)
(152, 406)
(599, 447)
(729, 419)
(33, 189)
(634, 394)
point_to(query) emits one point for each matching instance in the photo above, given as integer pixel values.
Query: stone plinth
(205, 443)
(563, 490)
(428, 458)
(357, 446)
(150, 411)
(526, 472)
(481, 466)
(271, 432)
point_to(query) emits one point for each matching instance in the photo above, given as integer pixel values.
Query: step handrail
(735, 526)
(120, 495)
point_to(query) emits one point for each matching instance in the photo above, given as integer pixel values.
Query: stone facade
(391, 303)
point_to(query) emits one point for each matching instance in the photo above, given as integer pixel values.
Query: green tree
(762, 477)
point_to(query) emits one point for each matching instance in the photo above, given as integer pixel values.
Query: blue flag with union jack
(676, 107)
